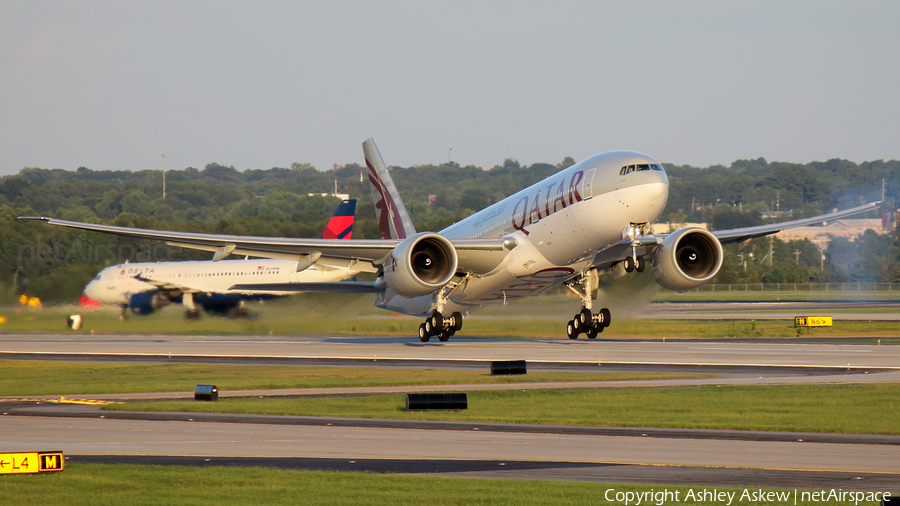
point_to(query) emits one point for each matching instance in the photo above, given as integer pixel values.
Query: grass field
(541, 317)
(866, 409)
(115, 485)
(35, 377)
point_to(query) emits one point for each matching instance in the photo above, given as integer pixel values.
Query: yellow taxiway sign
(30, 462)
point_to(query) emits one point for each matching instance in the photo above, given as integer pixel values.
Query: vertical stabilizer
(393, 220)
(340, 226)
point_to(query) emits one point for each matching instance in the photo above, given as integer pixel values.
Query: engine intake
(420, 265)
(688, 258)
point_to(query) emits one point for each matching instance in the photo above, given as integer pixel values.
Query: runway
(809, 463)
(742, 353)
(620, 455)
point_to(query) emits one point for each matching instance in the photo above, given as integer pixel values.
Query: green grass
(116, 485)
(868, 408)
(536, 317)
(35, 377)
(543, 316)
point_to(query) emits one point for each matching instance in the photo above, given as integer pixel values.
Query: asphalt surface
(600, 454)
(723, 353)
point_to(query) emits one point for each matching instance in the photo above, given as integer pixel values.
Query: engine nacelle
(148, 302)
(420, 265)
(688, 258)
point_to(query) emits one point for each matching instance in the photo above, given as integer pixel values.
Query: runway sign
(30, 462)
(812, 321)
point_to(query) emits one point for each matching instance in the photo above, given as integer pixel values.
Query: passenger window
(643, 167)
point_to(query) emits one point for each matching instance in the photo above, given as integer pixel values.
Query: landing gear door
(587, 189)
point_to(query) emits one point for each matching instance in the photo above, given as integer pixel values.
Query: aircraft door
(587, 189)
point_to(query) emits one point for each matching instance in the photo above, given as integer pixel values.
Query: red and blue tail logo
(341, 224)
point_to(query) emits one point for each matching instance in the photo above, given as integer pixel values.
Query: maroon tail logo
(387, 208)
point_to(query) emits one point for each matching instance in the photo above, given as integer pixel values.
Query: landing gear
(191, 315)
(437, 324)
(635, 263)
(585, 321)
(443, 328)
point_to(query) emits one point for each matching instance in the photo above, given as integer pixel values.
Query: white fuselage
(116, 284)
(559, 225)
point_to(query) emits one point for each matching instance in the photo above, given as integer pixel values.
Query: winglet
(341, 224)
(393, 220)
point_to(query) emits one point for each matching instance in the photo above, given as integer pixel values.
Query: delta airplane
(588, 219)
(147, 287)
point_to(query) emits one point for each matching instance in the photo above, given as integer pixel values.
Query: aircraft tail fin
(393, 220)
(341, 224)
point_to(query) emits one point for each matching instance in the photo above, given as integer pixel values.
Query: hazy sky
(113, 85)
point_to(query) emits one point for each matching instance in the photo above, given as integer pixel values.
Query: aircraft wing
(475, 255)
(165, 285)
(605, 258)
(744, 234)
(322, 287)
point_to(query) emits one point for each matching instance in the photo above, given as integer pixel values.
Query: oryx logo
(385, 208)
(393, 264)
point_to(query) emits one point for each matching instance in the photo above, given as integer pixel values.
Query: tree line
(55, 263)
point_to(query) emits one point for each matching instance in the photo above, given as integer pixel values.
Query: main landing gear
(437, 325)
(586, 322)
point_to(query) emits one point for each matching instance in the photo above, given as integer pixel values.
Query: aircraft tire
(423, 334)
(444, 336)
(457, 321)
(571, 331)
(629, 264)
(191, 315)
(437, 321)
(641, 263)
(585, 317)
(591, 333)
(606, 317)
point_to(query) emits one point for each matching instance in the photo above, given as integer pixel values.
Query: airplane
(148, 286)
(587, 219)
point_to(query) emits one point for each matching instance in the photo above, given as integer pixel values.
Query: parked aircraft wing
(165, 285)
(323, 287)
(475, 255)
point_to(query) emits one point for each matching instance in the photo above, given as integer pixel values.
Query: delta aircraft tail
(341, 224)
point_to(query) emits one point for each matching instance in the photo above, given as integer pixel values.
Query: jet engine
(420, 265)
(147, 302)
(688, 258)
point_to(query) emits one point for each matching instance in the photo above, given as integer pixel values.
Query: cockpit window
(655, 167)
(97, 277)
(643, 167)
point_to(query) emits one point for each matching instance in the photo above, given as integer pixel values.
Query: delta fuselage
(558, 224)
(116, 284)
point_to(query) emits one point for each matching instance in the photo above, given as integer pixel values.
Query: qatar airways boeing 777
(583, 221)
